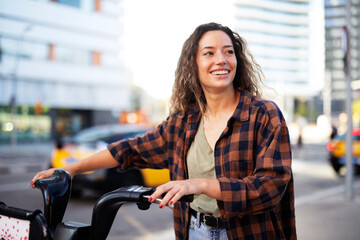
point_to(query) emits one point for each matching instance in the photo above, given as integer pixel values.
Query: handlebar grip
(56, 194)
(57, 177)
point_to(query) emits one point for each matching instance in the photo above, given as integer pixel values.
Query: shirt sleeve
(263, 189)
(147, 151)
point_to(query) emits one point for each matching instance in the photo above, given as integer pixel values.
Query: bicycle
(18, 223)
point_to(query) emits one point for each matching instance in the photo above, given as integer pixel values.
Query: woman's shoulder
(264, 103)
(254, 101)
(263, 107)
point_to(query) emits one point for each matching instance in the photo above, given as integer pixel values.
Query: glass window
(36, 51)
(23, 49)
(335, 12)
(9, 46)
(355, 10)
(43, 1)
(333, 43)
(28, 125)
(110, 60)
(335, 22)
(73, 3)
(87, 5)
(334, 53)
(68, 55)
(334, 2)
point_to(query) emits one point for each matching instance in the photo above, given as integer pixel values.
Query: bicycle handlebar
(107, 206)
(56, 194)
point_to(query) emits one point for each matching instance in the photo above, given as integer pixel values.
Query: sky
(154, 33)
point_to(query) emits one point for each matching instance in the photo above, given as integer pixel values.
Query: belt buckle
(204, 220)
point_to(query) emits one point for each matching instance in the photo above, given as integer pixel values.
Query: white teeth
(222, 72)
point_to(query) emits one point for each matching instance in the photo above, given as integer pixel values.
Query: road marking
(322, 194)
(137, 225)
(167, 234)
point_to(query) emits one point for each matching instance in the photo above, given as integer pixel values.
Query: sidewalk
(328, 215)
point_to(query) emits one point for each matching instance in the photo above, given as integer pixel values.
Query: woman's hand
(46, 174)
(176, 189)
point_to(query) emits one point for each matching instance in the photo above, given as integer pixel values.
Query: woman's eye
(230, 51)
(208, 53)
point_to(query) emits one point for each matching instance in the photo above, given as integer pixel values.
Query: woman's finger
(169, 196)
(42, 175)
(160, 190)
(175, 190)
(176, 197)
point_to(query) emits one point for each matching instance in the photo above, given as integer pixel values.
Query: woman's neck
(219, 104)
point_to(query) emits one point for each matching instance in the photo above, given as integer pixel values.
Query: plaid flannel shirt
(252, 164)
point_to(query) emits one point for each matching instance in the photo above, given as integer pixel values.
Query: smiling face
(216, 62)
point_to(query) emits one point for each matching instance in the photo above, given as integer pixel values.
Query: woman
(221, 142)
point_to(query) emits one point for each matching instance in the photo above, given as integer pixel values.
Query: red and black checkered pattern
(252, 164)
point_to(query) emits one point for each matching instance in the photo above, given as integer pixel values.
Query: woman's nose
(220, 58)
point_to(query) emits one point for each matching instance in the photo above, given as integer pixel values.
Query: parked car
(337, 151)
(91, 140)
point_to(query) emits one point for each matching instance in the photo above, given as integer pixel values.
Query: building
(286, 39)
(60, 67)
(60, 59)
(335, 20)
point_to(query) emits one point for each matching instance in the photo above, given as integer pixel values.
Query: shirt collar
(242, 111)
(194, 108)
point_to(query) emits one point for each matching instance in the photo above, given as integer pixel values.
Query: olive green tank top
(201, 164)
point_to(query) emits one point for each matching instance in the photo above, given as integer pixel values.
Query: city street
(68, 66)
(315, 182)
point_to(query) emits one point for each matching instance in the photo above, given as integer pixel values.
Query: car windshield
(107, 133)
(343, 136)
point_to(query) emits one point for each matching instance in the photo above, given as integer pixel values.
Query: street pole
(13, 100)
(349, 179)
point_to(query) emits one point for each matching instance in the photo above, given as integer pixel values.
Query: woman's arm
(148, 150)
(100, 160)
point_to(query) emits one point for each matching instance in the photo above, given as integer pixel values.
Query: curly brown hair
(187, 88)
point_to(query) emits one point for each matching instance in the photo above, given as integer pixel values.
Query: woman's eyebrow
(211, 47)
(207, 47)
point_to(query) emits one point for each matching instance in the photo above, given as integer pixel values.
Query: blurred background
(68, 65)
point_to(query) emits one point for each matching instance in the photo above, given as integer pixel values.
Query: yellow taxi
(337, 151)
(91, 140)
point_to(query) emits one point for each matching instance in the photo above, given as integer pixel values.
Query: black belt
(208, 220)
